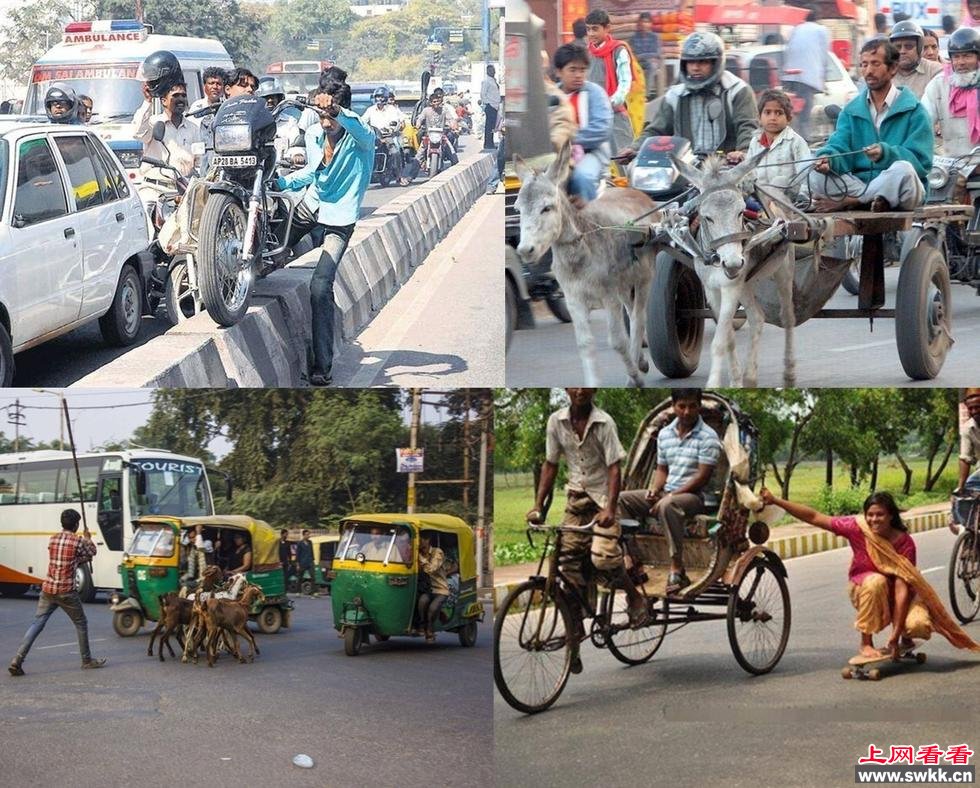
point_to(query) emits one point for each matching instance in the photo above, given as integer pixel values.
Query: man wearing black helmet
(435, 116)
(711, 107)
(61, 105)
(914, 71)
(951, 99)
(163, 79)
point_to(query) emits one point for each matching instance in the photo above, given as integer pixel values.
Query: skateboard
(860, 667)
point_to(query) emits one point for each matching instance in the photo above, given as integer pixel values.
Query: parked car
(762, 66)
(74, 239)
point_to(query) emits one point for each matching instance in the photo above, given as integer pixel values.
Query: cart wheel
(923, 322)
(874, 674)
(467, 634)
(531, 653)
(632, 646)
(352, 641)
(846, 673)
(964, 577)
(920, 658)
(127, 622)
(675, 342)
(269, 620)
(759, 618)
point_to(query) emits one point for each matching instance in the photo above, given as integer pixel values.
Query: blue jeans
(961, 509)
(586, 175)
(46, 605)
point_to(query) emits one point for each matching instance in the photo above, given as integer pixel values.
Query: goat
(231, 616)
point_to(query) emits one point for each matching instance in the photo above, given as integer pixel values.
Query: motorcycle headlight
(130, 159)
(651, 179)
(938, 177)
(232, 138)
(299, 159)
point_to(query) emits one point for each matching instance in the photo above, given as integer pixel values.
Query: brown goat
(175, 614)
(231, 616)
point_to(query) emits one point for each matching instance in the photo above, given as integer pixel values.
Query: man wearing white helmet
(914, 71)
(711, 107)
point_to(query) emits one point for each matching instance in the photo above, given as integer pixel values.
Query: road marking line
(849, 348)
(932, 569)
(73, 643)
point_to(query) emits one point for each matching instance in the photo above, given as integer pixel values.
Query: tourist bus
(116, 487)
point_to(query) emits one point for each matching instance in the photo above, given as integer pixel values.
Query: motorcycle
(465, 119)
(433, 144)
(244, 226)
(654, 173)
(387, 154)
(962, 243)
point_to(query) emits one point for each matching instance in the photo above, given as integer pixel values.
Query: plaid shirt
(65, 552)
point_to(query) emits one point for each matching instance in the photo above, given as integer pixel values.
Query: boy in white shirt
(781, 165)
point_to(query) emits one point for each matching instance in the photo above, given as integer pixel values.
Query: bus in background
(100, 59)
(117, 487)
(298, 77)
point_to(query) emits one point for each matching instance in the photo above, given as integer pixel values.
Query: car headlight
(232, 138)
(651, 179)
(938, 177)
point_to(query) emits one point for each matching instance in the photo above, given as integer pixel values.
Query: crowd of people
(911, 106)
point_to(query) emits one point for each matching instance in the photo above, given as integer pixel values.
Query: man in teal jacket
(339, 161)
(893, 133)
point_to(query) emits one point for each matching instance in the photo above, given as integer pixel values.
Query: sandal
(677, 581)
(639, 617)
(15, 669)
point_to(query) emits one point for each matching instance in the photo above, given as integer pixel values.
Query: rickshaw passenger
(432, 562)
(197, 548)
(885, 586)
(242, 556)
(893, 133)
(687, 452)
(586, 436)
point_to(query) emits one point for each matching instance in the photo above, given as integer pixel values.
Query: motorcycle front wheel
(226, 281)
(180, 301)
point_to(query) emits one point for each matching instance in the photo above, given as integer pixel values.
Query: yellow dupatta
(889, 562)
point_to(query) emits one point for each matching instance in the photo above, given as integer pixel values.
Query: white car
(74, 239)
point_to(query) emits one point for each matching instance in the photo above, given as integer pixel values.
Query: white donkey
(731, 269)
(597, 263)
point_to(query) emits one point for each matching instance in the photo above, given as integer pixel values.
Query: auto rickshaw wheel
(352, 641)
(127, 622)
(306, 587)
(269, 620)
(467, 634)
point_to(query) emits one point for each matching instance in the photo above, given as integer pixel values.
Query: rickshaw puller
(969, 452)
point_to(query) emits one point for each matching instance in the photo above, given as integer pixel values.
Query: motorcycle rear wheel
(226, 283)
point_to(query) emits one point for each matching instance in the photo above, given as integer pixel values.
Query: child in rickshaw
(885, 586)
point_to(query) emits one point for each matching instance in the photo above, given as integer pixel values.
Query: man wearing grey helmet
(711, 107)
(914, 71)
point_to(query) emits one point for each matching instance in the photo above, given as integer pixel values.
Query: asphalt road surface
(401, 713)
(693, 717)
(74, 355)
(829, 352)
(445, 326)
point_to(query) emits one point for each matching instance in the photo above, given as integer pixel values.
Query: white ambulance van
(100, 59)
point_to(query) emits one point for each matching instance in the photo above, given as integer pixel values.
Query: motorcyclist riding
(914, 72)
(61, 105)
(947, 98)
(272, 91)
(435, 116)
(386, 119)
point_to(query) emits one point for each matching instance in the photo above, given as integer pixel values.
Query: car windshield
(113, 99)
(377, 542)
(172, 487)
(152, 540)
(299, 83)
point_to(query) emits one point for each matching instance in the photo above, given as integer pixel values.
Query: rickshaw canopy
(443, 523)
(264, 538)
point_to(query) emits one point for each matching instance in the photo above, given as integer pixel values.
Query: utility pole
(413, 444)
(481, 496)
(466, 453)
(16, 418)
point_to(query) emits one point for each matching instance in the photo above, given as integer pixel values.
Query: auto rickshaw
(153, 565)
(375, 577)
(324, 550)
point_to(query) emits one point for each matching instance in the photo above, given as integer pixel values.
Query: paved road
(828, 352)
(445, 327)
(401, 713)
(68, 358)
(693, 717)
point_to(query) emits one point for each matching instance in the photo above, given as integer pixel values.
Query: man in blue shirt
(340, 158)
(687, 452)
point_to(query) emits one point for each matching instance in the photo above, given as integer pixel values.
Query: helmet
(65, 94)
(160, 71)
(380, 94)
(702, 46)
(966, 39)
(908, 29)
(270, 87)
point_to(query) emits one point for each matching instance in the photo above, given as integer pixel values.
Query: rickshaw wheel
(632, 646)
(306, 588)
(352, 641)
(269, 620)
(532, 657)
(127, 622)
(759, 618)
(964, 578)
(467, 634)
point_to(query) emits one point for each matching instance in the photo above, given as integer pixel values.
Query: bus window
(8, 486)
(68, 484)
(38, 484)
(110, 515)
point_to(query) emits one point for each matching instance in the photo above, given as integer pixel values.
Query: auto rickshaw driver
(376, 548)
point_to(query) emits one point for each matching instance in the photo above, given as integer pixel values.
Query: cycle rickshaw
(734, 577)
(964, 563)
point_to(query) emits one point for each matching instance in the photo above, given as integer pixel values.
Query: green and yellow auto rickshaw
(155, 563)
(375, 577)
(324, 550)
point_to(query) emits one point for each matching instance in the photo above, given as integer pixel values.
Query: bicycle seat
(630, 526)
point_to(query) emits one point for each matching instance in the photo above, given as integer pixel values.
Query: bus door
(109, 516)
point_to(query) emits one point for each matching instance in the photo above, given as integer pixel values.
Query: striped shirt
(65, 552)
(682, 456)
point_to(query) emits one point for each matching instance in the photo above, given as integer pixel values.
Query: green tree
(782, 417)
(30, 30)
